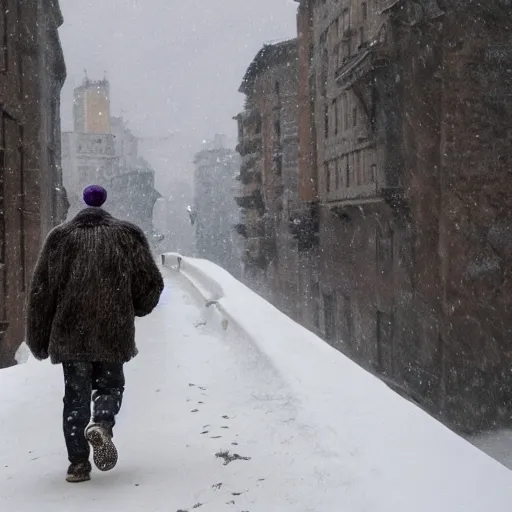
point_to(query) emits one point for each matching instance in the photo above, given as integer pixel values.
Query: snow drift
(392, 452)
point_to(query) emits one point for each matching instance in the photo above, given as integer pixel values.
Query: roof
(271, 53)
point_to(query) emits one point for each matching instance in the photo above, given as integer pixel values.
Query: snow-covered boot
(104, 450)
(79, 472)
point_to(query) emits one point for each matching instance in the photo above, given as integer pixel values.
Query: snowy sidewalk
(194, 393)
(189, 396)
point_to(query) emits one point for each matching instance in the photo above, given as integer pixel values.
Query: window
(324, 73)
(279, 164)
(327, 169)
(346, 50)
(330, 318)
(358, 167)
(373, 173)
(384, 242)
(277, 129)
(345, 110)
(335, 115)
(347, 314)
(337, 173)
(364, 9)
(326, 121)
(354, 117)
(384, 359)
(346, 20)
(315, 292)
(347, 174)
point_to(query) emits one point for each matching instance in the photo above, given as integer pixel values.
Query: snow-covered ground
(312, 431)
(496, 444)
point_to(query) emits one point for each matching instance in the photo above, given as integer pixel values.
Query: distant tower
(91, 109)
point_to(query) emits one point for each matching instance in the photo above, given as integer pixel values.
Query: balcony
(249, 161)
(370, 59)
(249, 177)
(251, 201)
(356, 198)
(355, 194)
(250, 144)
(250, 171)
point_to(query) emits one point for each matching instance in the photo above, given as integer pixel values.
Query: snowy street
(188, 397)
(210, 421)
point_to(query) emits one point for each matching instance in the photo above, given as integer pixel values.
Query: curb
(210, 291)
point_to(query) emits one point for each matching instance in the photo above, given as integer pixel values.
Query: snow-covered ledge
(394, 456)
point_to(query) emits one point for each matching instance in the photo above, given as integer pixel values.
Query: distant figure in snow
(94, 275)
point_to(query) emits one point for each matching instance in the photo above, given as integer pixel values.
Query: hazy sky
(173, 65)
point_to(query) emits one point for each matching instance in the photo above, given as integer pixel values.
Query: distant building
(103, 150)
(91, 109)
(173, 220)
(216, 212)
(133, 197)
(269, 173)
(32, 196)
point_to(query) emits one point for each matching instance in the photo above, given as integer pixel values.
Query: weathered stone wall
(415, 284)
(476, 201)
(32, 198)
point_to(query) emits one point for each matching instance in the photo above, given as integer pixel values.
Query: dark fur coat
(94, 275)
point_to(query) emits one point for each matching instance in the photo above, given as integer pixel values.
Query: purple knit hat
(94, 195)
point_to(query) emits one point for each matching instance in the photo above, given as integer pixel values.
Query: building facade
(271, 208)
(408, 169)
(215, 210)
(32, 196)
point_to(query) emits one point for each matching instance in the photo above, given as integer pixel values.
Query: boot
(79, 472)
(104, 450)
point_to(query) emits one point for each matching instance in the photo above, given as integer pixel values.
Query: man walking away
(94, 275)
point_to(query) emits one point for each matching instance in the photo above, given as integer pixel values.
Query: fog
(174, 67)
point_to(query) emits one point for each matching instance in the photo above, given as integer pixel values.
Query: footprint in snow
(228, 457)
